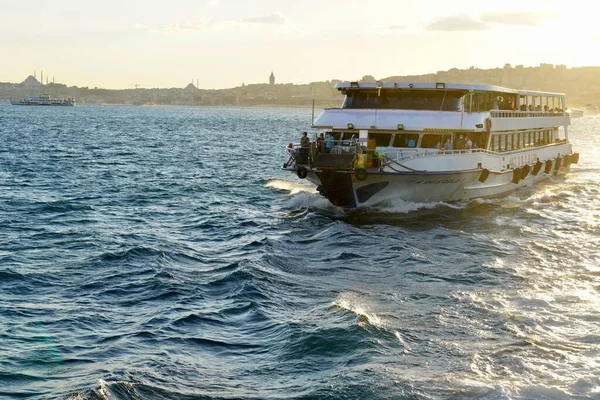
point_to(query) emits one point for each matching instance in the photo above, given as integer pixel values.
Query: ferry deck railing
(526, 114)
(378, 159)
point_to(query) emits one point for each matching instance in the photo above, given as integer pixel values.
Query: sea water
(162, 253)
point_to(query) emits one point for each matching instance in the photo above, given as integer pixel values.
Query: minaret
(272, 79)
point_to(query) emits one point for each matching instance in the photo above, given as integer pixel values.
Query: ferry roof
(439, 85)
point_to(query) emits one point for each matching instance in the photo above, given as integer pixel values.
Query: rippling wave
(161, 253)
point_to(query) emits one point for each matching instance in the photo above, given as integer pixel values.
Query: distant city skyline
(221, 43)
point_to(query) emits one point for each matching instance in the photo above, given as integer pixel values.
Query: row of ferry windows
(450, 100)
(407, 140)
(519, 140)
(500, 142)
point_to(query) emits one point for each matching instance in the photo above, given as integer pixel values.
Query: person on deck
(320, 142)
(329, 142)
(304, 149)
(459, 144)
(448, 144)
(468, 144)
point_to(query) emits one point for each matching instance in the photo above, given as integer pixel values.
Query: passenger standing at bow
(304, 149)
(320, 143)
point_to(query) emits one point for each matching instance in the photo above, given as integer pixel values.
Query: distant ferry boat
(43, 100)
(429, 142)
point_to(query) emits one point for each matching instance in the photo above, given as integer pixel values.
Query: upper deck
(428, 106)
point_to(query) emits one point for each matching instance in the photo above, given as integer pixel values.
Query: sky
(224, 43)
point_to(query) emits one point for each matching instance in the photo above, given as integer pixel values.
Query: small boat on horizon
(43, 100)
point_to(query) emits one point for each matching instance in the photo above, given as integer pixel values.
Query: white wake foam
(290, 187)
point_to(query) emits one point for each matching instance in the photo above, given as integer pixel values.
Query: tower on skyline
(272, 79)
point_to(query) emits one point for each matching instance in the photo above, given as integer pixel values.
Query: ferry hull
(343, 189)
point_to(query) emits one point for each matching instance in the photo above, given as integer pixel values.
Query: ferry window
(422, 100)
(525, 139)
(509, 142)
(486, 101)
(406, 140)
(495, 143)
(481, 140)
(515, 141)
(502, 142)
(381, 139)
(362, 99)
(521, 141)
(431, 141)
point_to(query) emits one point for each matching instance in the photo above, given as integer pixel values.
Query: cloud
(457, 23)
(212, 3)
(397, 27)
(202, 25)
(274, 19)
(206, 24)
(519, 18)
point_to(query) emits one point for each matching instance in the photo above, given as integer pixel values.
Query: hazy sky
(116, 44)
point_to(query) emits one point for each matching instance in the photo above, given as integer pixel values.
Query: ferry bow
(426, 142)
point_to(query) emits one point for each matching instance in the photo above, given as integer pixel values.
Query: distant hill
(581, 85)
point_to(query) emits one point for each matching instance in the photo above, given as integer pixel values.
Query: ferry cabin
(398, 119)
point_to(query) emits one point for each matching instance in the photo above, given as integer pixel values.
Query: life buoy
(361, 174)
(488, 124)
(301, 172)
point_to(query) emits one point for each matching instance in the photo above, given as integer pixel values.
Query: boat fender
(537, 167)
(558, 163)
(516, 175)
(301, 172)
(575, 158)
(488, 124)
(484, 175)
(525, 171)
(567, 160)
(548, 167)
(361, 174)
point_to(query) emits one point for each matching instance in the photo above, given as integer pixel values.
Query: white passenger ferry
(434, 142)
(43, 100)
